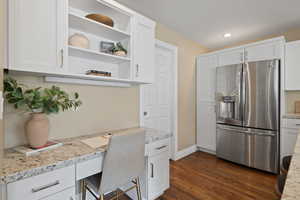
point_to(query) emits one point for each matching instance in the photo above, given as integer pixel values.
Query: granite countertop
(292, 186)
(16, 166)
(291, 116)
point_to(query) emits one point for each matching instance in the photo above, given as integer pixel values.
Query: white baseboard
(185, 152)
(206, 150)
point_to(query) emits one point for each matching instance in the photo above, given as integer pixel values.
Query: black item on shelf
(98, 73)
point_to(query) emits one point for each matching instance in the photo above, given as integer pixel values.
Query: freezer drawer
(251, 147)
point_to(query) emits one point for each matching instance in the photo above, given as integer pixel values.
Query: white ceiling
(206, 21)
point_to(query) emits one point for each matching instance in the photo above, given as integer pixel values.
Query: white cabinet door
(206, 126)
(292, 65)
(144, 43)
(231, 57)
(263, 52)
(158, 175)
(206, 74)
(37, 35)
(288, 141)
(68, 194)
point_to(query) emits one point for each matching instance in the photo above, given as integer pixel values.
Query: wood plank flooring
(202, 176)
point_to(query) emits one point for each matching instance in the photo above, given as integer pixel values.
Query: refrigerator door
(261, 94)
(228, 94)
(251, 147)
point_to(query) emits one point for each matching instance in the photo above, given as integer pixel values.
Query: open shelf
(95, 55)
(84, 24)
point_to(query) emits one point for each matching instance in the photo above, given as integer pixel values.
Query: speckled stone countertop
(291, 116)
(292, 186)
(16, 166)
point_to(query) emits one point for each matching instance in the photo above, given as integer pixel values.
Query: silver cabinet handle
(137, 70)
(152, 170)
(242, 57)
(246, 55)
(162, 147)
(34, 190)
(61, 58)
(297, 124)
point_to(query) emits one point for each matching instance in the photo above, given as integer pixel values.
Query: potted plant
(39, 103)
(119, 50)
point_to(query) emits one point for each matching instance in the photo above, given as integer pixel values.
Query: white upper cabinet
(231, 57)
(206, 73)
(37, 35)
(263, 52)
(144, 44)
(292, 65)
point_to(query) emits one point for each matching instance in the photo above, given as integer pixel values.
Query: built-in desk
(58, 171)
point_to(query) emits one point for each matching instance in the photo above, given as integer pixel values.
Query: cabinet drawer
(291, 123)
(68, 194)
(89, 168)
(158, 147)
(43, 185)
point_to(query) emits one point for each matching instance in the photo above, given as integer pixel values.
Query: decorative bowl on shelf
(101, 18)
(79, 40)
(120, 53)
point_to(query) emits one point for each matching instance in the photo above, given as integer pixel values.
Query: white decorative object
(79, 40)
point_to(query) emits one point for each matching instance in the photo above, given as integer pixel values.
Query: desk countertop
(292, 186)
(16, 166)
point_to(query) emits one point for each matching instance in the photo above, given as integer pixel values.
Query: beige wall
(104, 108)
(187, 52)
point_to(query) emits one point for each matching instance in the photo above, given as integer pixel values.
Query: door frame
(174, 103)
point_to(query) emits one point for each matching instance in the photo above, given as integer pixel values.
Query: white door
(157, 98)
(144, 42)
(263, 52)
(231, 57)
(37, 35)
(158, 175)
(292, 60)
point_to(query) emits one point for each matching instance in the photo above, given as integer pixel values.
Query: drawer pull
(297, 124)
(162, 147)
(34, 190)
(152, 170)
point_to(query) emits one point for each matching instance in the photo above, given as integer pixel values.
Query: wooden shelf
(90, 26)
(95, 55)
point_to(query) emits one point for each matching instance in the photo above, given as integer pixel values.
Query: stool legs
(138, 189)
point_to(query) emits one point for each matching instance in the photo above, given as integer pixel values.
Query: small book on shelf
(29, 151)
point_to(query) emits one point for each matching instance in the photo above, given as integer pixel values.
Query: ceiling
(206, 21)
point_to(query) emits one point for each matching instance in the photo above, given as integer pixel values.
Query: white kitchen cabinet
(292, 65)
(231, 57)
(261, 52)
(288, 141)
(37, 35)
(144, 45)
(206, 73)
(206, 126)
(158, 175)
(68, 194)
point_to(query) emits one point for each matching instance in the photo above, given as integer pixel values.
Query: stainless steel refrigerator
(247, 101)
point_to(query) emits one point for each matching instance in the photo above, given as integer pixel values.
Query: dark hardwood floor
(202, 176)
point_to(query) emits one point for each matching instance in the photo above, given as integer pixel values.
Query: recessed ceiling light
(227, 35)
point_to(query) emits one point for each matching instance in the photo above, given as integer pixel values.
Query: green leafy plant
(38, 100)
(119, 47)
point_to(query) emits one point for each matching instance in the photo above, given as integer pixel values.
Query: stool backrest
(124, 159)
